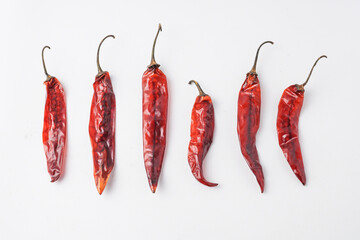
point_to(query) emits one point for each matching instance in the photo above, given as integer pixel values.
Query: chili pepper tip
(101, 183)
(301, 177)
(54, 179)
(258, 172)
(209, 184)
(153, 188)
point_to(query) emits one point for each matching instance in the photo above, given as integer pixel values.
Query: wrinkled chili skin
(287, 127)
(201, 136)
(102, 129)
(54, 131)
(248, 121)
(155, 107)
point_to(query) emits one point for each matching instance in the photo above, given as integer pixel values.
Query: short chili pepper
(248, 120)
(201, 134)
(155, 107)
(54, 131)
(287, 125)
(102, 126)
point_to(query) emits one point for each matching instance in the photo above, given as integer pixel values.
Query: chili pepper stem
(201, 92)
(253, 69)
(43, 62)
(303, 85)
(153, 63)
(100, 71)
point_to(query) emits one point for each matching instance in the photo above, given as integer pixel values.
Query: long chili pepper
(201, 133)
(287, 125)
(54, 131)
(248, 120)
(102, 126)
(155, 105)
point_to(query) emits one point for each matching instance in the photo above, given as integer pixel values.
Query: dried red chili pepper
(155, 104)
(54, 131)
(248, 120)
(201, 133)
(102, 126)
(287, 125)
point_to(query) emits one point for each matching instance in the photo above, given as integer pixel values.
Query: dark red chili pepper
(248, 120)
(54, 131)
(287, 125)
(155, 105)
(201, 133)
(102, 126)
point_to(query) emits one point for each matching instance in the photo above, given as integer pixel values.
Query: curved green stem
(253, 69)
(201, 92)
(153, 63)
(303, 85)
(43, 62)
(98, 52)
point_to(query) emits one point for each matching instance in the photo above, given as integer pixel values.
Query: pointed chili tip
(261, 184)
(100, 188)
(206, 183)
(54, 179)
(100, 183)
(301, 177)
(303, 181)
(153, 188)
(258, 172)
(253, 69)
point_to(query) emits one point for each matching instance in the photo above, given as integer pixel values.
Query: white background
(213, 42)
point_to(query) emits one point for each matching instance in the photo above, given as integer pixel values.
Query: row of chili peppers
(155, 108)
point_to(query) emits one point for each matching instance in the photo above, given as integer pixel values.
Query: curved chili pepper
(248, 120)
(287, 125)
(201, 133)
(54, 131)
(102, 126)
(155, 105)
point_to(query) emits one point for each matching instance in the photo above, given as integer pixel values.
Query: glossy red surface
(201, 133)
(287, 127)
(54, 131)
(248, 121)
(102, 129)
(155, 107)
